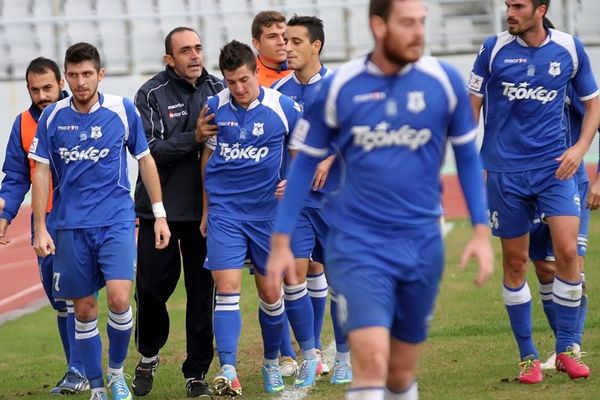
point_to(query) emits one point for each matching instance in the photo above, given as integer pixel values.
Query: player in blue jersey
(391, 114)
(82, 141)
(45, 86)
(305, 38)
(525, 72)
(242, 172)
(540, 246)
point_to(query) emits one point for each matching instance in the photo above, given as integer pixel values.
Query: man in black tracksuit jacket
(169, 104)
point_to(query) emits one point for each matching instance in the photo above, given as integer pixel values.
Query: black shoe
(198, 388)
(144, 375)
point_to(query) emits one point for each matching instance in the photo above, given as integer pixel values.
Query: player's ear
(378, 26)
(168, 59)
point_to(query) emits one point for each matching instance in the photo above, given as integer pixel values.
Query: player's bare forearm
(476, 104)
(593, 195)
(40, 190)
(150, 178)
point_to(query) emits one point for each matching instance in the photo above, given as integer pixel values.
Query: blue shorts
(515, 197)
(392, 284)
(86, 258)
(310, 231)
(229, 241)
(540, 241)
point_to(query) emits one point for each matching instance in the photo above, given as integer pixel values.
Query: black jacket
(169, 107)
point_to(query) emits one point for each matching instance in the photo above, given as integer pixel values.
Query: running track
(20, 288)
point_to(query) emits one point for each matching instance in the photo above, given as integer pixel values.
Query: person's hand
(280, 260)
(569, 162)
(43, 245)
(593, 194)
(162, 234)
(480, 249)
(204, 129)
(280, 190)
(321, 173)
(204, 225)
(3, 230)
(2, 204)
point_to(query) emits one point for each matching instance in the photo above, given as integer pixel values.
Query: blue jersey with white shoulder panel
(391, 131)
(244, 170)
(524, 91)
(304, 94)
(88, 160)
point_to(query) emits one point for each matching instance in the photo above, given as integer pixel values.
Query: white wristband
(158, 209)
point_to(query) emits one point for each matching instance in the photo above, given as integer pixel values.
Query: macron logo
(67, 128)
(524, 92)
(382, 136)
(174, 106)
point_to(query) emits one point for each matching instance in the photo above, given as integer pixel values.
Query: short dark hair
(380, 8)
(169, 38)
(313, 25)
(235, 54)
(537, 3)
(80, 52)
(42, 65)
(265, 19)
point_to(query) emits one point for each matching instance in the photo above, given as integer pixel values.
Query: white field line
(20, 294)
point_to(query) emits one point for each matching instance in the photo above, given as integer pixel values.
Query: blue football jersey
(304, 94)
(243, 172)
(391, 132)
(87, 154)
(524, 92)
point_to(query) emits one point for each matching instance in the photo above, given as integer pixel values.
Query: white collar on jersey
(545, 42)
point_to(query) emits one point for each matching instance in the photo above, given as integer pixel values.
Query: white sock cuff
(546, 291)
(566, 294)
(514, 297)
(317, 285)
(410, 393)
(227, 302)
(365, 393)
(272, 310)
(121, 321)
(295, 292)
(86, 330)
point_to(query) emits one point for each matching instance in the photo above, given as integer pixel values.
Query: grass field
(470, 354)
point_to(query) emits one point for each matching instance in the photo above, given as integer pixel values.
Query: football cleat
(308, 372)
(273, 379)
(570, 362)
(342, 373)
(324, 366)
(530, 371)
(550, 363)
(118, 387)
(144, 377)
(226, 383)
(288, 366)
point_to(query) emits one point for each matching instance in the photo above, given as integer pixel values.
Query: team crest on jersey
(96, 132)
(554, 68)
(259, 129)
(416, 102)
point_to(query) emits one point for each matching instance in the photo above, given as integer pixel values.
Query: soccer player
(268, 38)
(83, 139)
(525, 72)
(391, 114)
(45, 86)
(305, 38)
(170, 103)
(540, 246)
(243, 170)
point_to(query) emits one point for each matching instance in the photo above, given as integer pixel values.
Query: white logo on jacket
(416, 102)
(554, 68)
(259, 129)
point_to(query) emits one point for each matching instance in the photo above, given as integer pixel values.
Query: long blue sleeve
(299, 182)
(470, 175)
(17, 181)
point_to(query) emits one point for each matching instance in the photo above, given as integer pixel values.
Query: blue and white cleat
(273, 379)
(308, 372)
(342, 373)
(118, 387)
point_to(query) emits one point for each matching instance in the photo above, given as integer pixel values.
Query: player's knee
(269, 295)
(516, 262)
(370, 364)
(118, 302)
(567, 253)
(400, 378)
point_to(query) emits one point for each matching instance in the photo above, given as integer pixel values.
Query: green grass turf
(470, 354)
